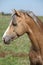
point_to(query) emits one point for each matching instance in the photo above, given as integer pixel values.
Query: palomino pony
(26, 22)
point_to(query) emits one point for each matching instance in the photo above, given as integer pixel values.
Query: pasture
(17, 52)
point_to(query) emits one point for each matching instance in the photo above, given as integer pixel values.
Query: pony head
(16, 28)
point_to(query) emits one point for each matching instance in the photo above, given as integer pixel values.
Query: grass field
(15, 53)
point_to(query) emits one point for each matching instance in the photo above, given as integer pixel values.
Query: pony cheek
(20, 31)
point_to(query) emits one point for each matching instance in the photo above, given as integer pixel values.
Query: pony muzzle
(6, 39)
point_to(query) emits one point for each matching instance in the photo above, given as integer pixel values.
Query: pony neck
(36, 36)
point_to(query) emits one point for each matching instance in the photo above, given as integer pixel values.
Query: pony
(27, 22)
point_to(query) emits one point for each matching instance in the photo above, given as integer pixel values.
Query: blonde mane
(31, 14)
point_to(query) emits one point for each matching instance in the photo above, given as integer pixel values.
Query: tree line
(2, 13)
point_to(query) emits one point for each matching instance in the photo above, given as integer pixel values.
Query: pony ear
(17, 12)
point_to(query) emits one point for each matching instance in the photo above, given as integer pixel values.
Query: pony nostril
(6, 40)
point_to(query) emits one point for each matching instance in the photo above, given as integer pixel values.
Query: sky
(32, 5)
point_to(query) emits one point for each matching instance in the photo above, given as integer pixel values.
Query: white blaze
(5, 32)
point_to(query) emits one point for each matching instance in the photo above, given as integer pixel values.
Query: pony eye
(14, 24)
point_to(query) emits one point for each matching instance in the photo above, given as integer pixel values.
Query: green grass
(20, 45)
